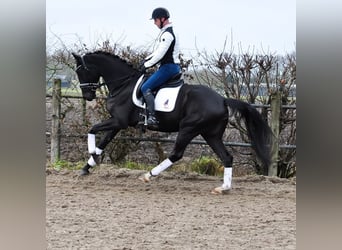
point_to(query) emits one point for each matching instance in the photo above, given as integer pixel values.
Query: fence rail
(253, 104)
(275, 108)
(196, 142)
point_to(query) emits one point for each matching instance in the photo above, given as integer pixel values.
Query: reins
(114, 92)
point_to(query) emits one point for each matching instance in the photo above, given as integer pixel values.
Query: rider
(167, 55)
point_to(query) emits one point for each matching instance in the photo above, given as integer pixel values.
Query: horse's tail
(258, 130)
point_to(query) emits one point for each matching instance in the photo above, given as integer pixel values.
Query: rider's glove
(142, 67)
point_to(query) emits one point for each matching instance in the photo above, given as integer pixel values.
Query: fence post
(56, 125)
(275, 120)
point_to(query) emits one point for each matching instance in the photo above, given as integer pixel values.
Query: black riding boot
(151, 119)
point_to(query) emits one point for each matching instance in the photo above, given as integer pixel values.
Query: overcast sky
(265, 25)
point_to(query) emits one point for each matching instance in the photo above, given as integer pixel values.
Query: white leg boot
(92, 162)
(157, 170)
(91, 144)
(227, 182)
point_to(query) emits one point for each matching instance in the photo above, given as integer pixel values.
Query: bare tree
(254, 78)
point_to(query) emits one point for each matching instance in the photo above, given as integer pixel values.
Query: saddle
(175, 81)
(165, 95)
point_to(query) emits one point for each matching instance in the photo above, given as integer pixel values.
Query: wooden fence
(275, 107)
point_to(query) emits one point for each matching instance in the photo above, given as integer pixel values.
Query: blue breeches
(164, 73)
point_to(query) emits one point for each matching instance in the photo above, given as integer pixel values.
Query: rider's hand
(142, 67)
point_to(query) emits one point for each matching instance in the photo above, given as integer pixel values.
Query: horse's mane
(106, 53)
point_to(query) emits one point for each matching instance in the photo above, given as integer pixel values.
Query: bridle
(93, 86)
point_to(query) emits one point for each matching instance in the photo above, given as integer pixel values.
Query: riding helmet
(159, 13)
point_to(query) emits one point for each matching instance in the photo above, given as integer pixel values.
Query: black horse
(198, 111)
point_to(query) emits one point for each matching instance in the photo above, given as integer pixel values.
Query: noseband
(92, 86)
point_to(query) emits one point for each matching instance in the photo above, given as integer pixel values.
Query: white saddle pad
(164, 101)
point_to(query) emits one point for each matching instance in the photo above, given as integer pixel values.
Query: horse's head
(88, 77)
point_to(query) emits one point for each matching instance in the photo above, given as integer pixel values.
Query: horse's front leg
(95, 154)
(112, 129)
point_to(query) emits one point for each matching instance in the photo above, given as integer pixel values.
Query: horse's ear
(77, 58)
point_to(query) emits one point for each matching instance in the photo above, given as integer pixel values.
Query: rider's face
(158, 22)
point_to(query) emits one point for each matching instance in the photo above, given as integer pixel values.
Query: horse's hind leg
(215, 142)
(184, 137)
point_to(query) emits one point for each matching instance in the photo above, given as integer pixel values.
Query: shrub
(207, 165)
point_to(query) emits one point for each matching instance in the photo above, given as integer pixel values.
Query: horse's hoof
(84, 172)
(145, 178)
(220, 190)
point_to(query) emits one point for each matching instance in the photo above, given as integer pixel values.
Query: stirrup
(152, 121)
